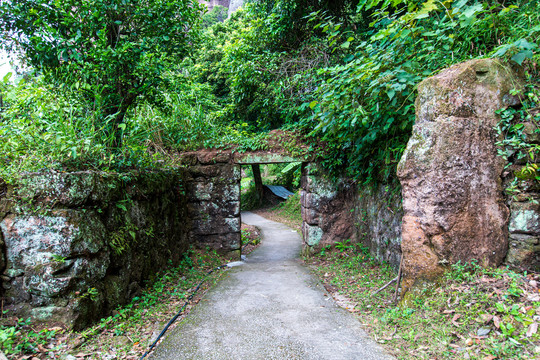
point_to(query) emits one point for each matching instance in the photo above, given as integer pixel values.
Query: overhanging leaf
(522, 55)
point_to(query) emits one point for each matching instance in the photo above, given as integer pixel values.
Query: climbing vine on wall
(520, 133)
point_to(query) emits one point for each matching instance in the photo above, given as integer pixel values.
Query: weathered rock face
(377, 219)
(326, 209)
(450, 173)
(211, 3)
(77, 245)
(234, 5)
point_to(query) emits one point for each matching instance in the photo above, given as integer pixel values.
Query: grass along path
(287, 212)
(472, 313)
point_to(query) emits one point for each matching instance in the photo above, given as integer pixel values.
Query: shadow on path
(271, 307)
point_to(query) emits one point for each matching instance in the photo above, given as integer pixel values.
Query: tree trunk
(259, 190)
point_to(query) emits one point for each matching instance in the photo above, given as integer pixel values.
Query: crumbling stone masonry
(377, 222)
(341, 211)
(77, 245)
(326, 209)
(213, 192)
(524, 222)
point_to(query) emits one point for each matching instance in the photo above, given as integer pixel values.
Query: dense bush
(343, 74)
(347, 78)
(364, 106)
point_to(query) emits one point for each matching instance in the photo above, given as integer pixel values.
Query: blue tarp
(280, 191)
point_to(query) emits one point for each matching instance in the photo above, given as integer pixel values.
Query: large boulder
(453, 203)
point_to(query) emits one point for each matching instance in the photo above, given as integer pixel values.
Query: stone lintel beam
(250, 158)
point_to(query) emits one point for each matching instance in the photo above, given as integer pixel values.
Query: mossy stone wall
(77, 245)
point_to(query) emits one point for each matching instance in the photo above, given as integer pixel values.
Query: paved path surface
(271, 307)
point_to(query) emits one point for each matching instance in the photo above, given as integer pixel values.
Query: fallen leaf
(484, 331)
(490, 357)
(497, 322)
(485, 318)
(533, 328)
(457, 316)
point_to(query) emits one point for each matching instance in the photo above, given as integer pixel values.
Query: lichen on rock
(61, 262)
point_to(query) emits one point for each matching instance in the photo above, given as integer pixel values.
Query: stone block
(214, 156)
(524, 252)
(450, 172)
(310, 200)
(205, 209)
(216, 225)
(52, 254)
(324, 188)
(215, 192)
(310, 216)
(265, 158)
(216, 173)
(524, 218)
(188, 158)
(223, 243)
(312, 234)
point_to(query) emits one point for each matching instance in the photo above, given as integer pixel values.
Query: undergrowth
(471, 313)
(128, 332)
(290, 208)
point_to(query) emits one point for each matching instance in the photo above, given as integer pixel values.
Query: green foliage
(43, 127)
(519, 130)
(290, 208)
(122, 239)
(347, 74)
(364, 107)
(22, 338)
(113, 51)
(471, 312)
(344, 245)
(218, 14)
(290, 175)
(249, 199)
(246, 236)
(254, 79)
(91, 294)
(161, 295)
(343, 73)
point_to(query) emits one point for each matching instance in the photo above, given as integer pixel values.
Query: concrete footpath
(271, 307)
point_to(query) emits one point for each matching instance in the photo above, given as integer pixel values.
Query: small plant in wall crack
(91, 293)
(58, 258)
(122, 239)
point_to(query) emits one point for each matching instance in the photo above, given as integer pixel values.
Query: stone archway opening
(265, 186)
(213, 189)
(262, 185)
